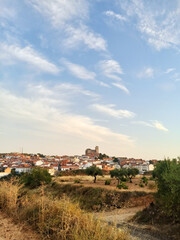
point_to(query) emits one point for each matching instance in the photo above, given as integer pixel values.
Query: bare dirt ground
(121, 219)
(11, 231)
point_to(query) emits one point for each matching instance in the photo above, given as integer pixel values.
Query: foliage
(144, 180)
(108, 182)
(122, 185)
(115, 160)
(167, 173)
(94, 171)
(36, 177)
(141, 184)
(132, 172)
(119, 174)
(101, 156)
(77, 181)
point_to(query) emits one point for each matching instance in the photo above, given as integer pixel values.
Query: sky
(75, 74)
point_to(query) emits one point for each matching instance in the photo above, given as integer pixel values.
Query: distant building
(92, 153)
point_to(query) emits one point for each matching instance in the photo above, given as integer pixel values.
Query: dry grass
(54, 219)
(100, 183)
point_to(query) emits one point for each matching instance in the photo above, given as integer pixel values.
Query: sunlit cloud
(153, 124)
(11, 54)
(112, 111)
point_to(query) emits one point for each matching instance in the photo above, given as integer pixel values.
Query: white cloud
(160, 25)
(68, 15)
(82, 34)
(121, 86)
(154, 124)
(110, 68)
(10, 54)
(159, 126)
(60, 12)
(169, 70)
(146, 73)
(37, 113)
(79, 71)
(111, 111)
(116, 16)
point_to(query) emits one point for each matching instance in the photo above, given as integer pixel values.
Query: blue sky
(78, 73)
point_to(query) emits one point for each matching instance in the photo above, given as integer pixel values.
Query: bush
(141, 184)
(122, 185)
(36, 177)
(77, 181)
(108, 182)
(144, 180)
(152, 179)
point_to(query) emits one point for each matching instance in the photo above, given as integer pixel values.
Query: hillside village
(22, 163)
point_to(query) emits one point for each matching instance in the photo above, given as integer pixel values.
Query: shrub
(141, 184)
(36, 177)
(152, 179)
(108, 182)
(144, 180)
(77, 181)
(122, 185)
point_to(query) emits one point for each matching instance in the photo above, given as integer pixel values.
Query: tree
(101, 156)
(119, 174)
(94, 171)
(132, 172)
(115, 160)
(167, 175)
(36, 177)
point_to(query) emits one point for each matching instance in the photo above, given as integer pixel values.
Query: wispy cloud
(79, 71)
(111, 111)
(154, 124)
(11, 54)
(115, 15)
(169, 70)
(121, 86)
(61, 12)
(69, 17)
(160, 26)
(82, 34)
(146, 73)
(112, 69)
(55, 118)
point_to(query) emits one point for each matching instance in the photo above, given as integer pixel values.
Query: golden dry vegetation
(88, 182)
(54, 218)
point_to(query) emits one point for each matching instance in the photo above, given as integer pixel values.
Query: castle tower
(97, 149)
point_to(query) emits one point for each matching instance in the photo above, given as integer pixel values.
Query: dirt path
(121, 217)
(11, 231)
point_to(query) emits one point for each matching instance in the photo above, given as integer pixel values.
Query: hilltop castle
(92, 153)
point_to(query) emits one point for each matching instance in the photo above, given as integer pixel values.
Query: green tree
(119, 174)
(36, 177)
(94, 171)
(115, 159)
(101, 156)
(132, 172)
(167, 175)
